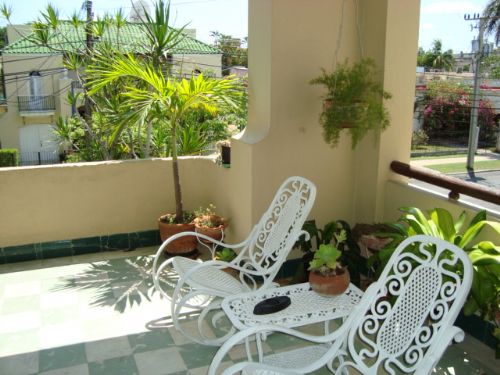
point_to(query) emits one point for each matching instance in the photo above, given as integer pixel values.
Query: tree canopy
(435, 58)
(492, 15)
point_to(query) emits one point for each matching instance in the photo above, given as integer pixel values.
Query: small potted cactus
(327, 277)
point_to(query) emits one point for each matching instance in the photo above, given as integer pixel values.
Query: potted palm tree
(354, 101)
(156, 97)
(327, 277)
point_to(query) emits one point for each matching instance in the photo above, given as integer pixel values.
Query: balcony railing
(454, 185)
(36, 103)
(39, 158)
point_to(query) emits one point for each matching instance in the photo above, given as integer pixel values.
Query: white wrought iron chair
(202, 285)
(403, 323)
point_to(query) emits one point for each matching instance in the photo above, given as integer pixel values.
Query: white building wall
(187, 64)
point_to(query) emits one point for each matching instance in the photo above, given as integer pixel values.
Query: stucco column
(289, 42)
(389, 31)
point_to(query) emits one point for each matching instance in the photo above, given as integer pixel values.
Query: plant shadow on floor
(117, 283)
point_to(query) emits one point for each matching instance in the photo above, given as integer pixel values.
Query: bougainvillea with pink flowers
(447, 109)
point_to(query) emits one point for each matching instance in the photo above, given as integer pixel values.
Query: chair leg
(200, 336)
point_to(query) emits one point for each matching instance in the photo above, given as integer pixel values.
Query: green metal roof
(131, 37)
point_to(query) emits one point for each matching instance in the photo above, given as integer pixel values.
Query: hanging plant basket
(355, 101)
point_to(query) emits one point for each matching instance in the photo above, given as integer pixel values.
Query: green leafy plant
(447, 111)
(187, 217)
(354, 100)
(206, 217)
(419, 138)
(484, 297)
(225, 254)
(9, 157)
(326, 258)
(350, 251)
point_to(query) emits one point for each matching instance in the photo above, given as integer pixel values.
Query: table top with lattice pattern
(306, 307)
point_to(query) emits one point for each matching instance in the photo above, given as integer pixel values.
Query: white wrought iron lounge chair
(403, 323)
(202, 285)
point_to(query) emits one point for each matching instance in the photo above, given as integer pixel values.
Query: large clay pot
(331, 285)
(180, 246)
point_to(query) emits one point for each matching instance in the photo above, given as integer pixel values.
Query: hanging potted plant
(354, 101)
(327, 277)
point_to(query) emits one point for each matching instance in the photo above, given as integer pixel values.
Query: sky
(226, 16)
(443, 19)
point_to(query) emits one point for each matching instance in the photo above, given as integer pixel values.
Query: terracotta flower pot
(213, 232)
(331, 285)
(180, 246)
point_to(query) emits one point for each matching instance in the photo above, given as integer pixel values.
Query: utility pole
(88, 26)
(89, 37)
(474, 129)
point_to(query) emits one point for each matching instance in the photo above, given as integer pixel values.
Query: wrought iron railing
(39, 158)
(34, 103)
(455, 185)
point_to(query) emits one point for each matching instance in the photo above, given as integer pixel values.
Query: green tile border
(63, 248)
(20, 253)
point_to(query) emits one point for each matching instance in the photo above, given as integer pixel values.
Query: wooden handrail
(455, 185)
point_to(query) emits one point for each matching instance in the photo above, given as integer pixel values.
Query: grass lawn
(416, 157)
(461, 168)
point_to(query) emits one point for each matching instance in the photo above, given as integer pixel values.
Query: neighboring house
(239, 71)
(463, 61)
(37, 85)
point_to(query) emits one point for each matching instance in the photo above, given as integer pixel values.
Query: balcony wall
(40, 204)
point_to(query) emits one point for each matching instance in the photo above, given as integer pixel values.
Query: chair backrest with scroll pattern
(418, 295)
(280, 226)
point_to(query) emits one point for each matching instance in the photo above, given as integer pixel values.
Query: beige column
(389, 31)
(289, 42)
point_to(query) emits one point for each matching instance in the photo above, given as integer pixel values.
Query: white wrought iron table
(306, 307)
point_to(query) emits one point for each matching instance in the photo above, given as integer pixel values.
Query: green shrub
(419, 138)
(447, 113)
(9, 157)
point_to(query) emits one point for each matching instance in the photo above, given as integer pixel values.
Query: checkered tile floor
(88, 316)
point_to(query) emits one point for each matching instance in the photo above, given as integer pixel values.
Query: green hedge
(9, 157)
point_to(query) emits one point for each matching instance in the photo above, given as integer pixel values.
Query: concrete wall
(70, 201)
(16, 32)
(186, 64)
